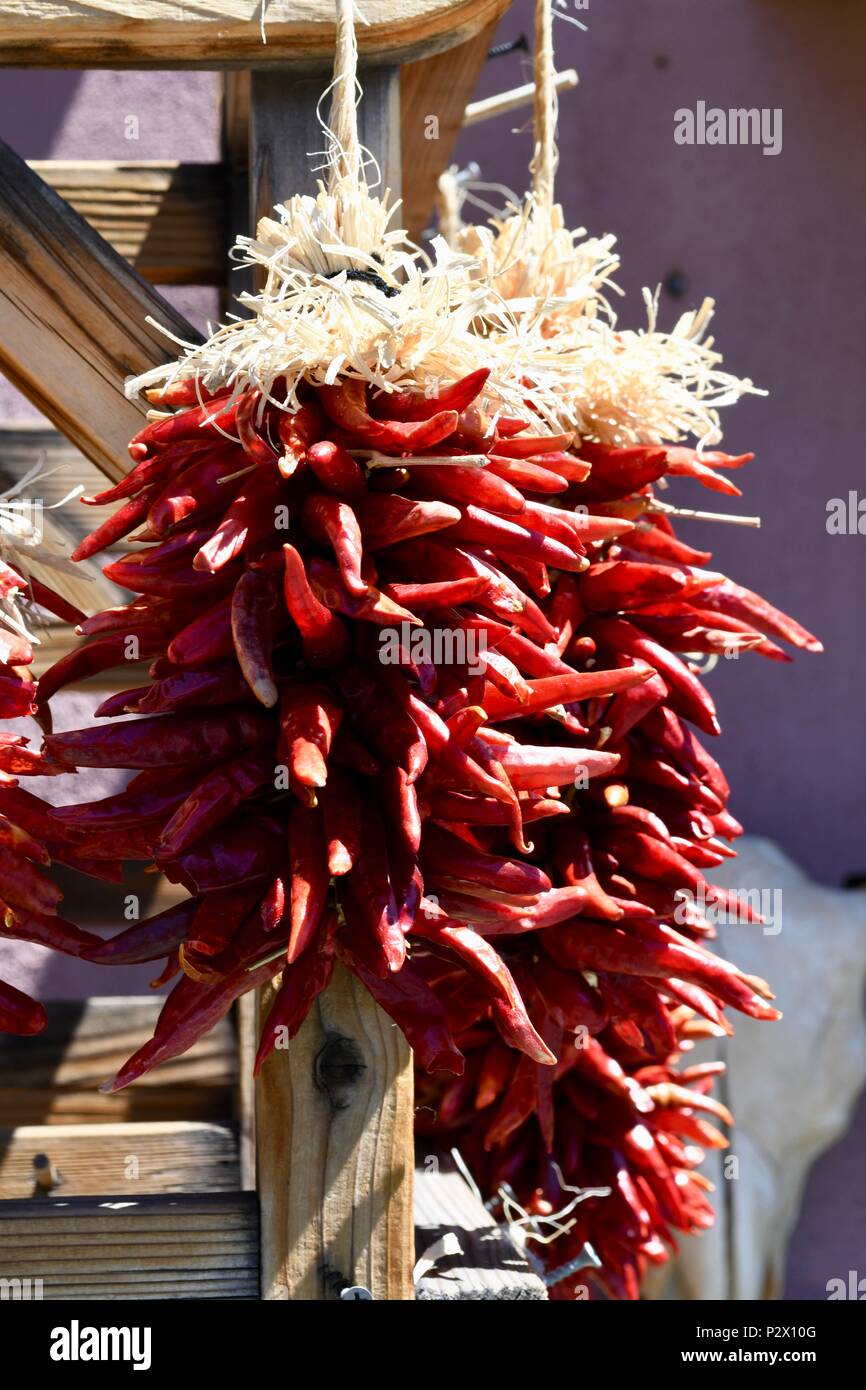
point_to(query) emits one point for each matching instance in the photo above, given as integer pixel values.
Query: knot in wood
(338, 1067)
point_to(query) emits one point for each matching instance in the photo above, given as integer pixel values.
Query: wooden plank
(235, 144)
(166, 218)
(207, 1245)
(43, 1105)
(186, 1246)
(335, 1152)
(434, 93)
(55, 1080)
(72, 318)
(236, 123)
(225, 33)
(123, 1159)
(482, 1261)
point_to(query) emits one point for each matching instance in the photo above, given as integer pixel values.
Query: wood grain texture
(73, 318)
(247, 1015)
(186, 1246)
(207, 1245)
(166, 218)
(484, 1263)
(55, 1079)
(439, 87)
(335, 1158)
(286, 141)
(224, 33)
(122, 1159)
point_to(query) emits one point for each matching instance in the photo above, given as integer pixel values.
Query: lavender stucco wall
(779, 243)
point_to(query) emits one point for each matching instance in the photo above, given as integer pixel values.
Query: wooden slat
(53, 1078)
(122, 1159)
(207, 1245)
(43, 1105)
(235, 145)
(437, 87)
(224, 33)
(188, 1246)
(335, 1165)
(166, 218)
(247, 1016)
(486, 1263)
(72, 318)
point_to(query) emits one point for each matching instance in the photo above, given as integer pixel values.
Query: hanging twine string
(545, 158)
(448, 206)
(345, 154)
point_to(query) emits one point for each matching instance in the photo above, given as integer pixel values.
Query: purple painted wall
(779, 243)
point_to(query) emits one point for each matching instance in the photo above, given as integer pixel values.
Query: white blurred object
(791, 1085)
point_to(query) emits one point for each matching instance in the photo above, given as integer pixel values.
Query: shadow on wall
(43, 98)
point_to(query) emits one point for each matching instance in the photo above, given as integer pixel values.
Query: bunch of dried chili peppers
(420, 702)
(496, 846)
(29, 840)
(627, 984)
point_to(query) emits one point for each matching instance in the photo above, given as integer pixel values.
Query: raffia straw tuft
(346, 294)
(408, 318)
(618, 386)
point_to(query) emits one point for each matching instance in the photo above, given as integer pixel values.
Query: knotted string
(545, 157)
(345, 154)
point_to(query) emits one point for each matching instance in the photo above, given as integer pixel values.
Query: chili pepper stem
(373, 459)
(730, 519)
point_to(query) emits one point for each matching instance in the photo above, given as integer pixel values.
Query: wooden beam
(225, 33)
(56, 1080)
(335, 1156)
(433, 97)
(202, 1245)
(438, 85)
(206, 1245)
(236, 123)
(72, 318)
(123, 1159)
(166, 218)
